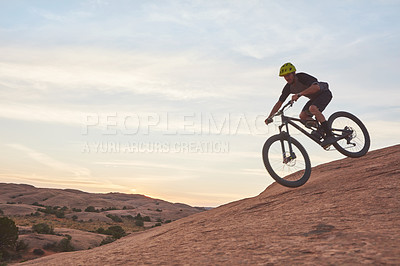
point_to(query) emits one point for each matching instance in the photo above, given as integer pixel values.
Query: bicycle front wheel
(355, 140)
(288, 169)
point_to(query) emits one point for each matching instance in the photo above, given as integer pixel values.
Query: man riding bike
(302, 84)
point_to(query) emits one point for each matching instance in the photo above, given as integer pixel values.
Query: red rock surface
(348, 213)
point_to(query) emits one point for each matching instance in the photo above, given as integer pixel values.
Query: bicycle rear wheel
(356, 142)
(287, 170)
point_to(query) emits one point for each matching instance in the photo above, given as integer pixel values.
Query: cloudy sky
(168, 98)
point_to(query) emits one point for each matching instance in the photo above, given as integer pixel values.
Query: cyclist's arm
(282, 98)
(314, 88)
(275, 109)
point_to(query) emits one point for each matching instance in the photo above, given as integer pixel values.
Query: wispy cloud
(51, 162)
(102, 186)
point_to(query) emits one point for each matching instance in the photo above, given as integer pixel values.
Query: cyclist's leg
(318, 105)
(306, 115)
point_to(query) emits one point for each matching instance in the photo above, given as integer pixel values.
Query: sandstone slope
(348, 213)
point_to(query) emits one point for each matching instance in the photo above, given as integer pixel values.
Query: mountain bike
(287, 161)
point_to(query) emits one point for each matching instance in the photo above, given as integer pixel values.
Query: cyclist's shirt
(302, 81)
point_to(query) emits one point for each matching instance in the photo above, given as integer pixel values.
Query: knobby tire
(358, 143)
(298, 174)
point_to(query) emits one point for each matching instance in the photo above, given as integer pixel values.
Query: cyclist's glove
(269, 120)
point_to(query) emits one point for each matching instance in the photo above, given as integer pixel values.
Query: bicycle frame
(287, 120)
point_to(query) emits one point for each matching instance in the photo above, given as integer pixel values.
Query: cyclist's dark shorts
(321, 101)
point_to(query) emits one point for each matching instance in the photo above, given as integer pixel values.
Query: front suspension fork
(285, 135)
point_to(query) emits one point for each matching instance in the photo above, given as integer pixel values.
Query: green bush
(115, 218)
(38, 252)
(91, 209)
(21, 245)
(101, 230)
(116, 231)
(43, 228)
(57, 211)
(38, 204)
(138, 217)
(107, 240)
(50, 246)
(65, 245)
(129, 217)
(8, 233)
(60, 214)
(139, 223)
(109, 209)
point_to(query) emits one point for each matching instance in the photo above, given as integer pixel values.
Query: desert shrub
(107, 240)
(38, 204)
(116, 231)
(129, 217)
(101, 230)
(168, 221)
(8, 233)
(76, 210)
(91, 209)
(109, 209)
(38, 252)
(65, 245)
(46, 210)
(60, 214)
(139, 223)
(157, 224)
(50, 246)
(1, 212)
(138, 217)
(146, 219)
(43, 228)
(21, 245)
(74, 217)
(115, 218)
(158, 210)
(36, 214)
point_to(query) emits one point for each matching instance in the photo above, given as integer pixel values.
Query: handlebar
(290, 104)
(280, 112)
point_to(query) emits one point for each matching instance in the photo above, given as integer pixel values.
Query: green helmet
(286, 69)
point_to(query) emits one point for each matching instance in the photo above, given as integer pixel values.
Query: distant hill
(348, 213)
(21, 199)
